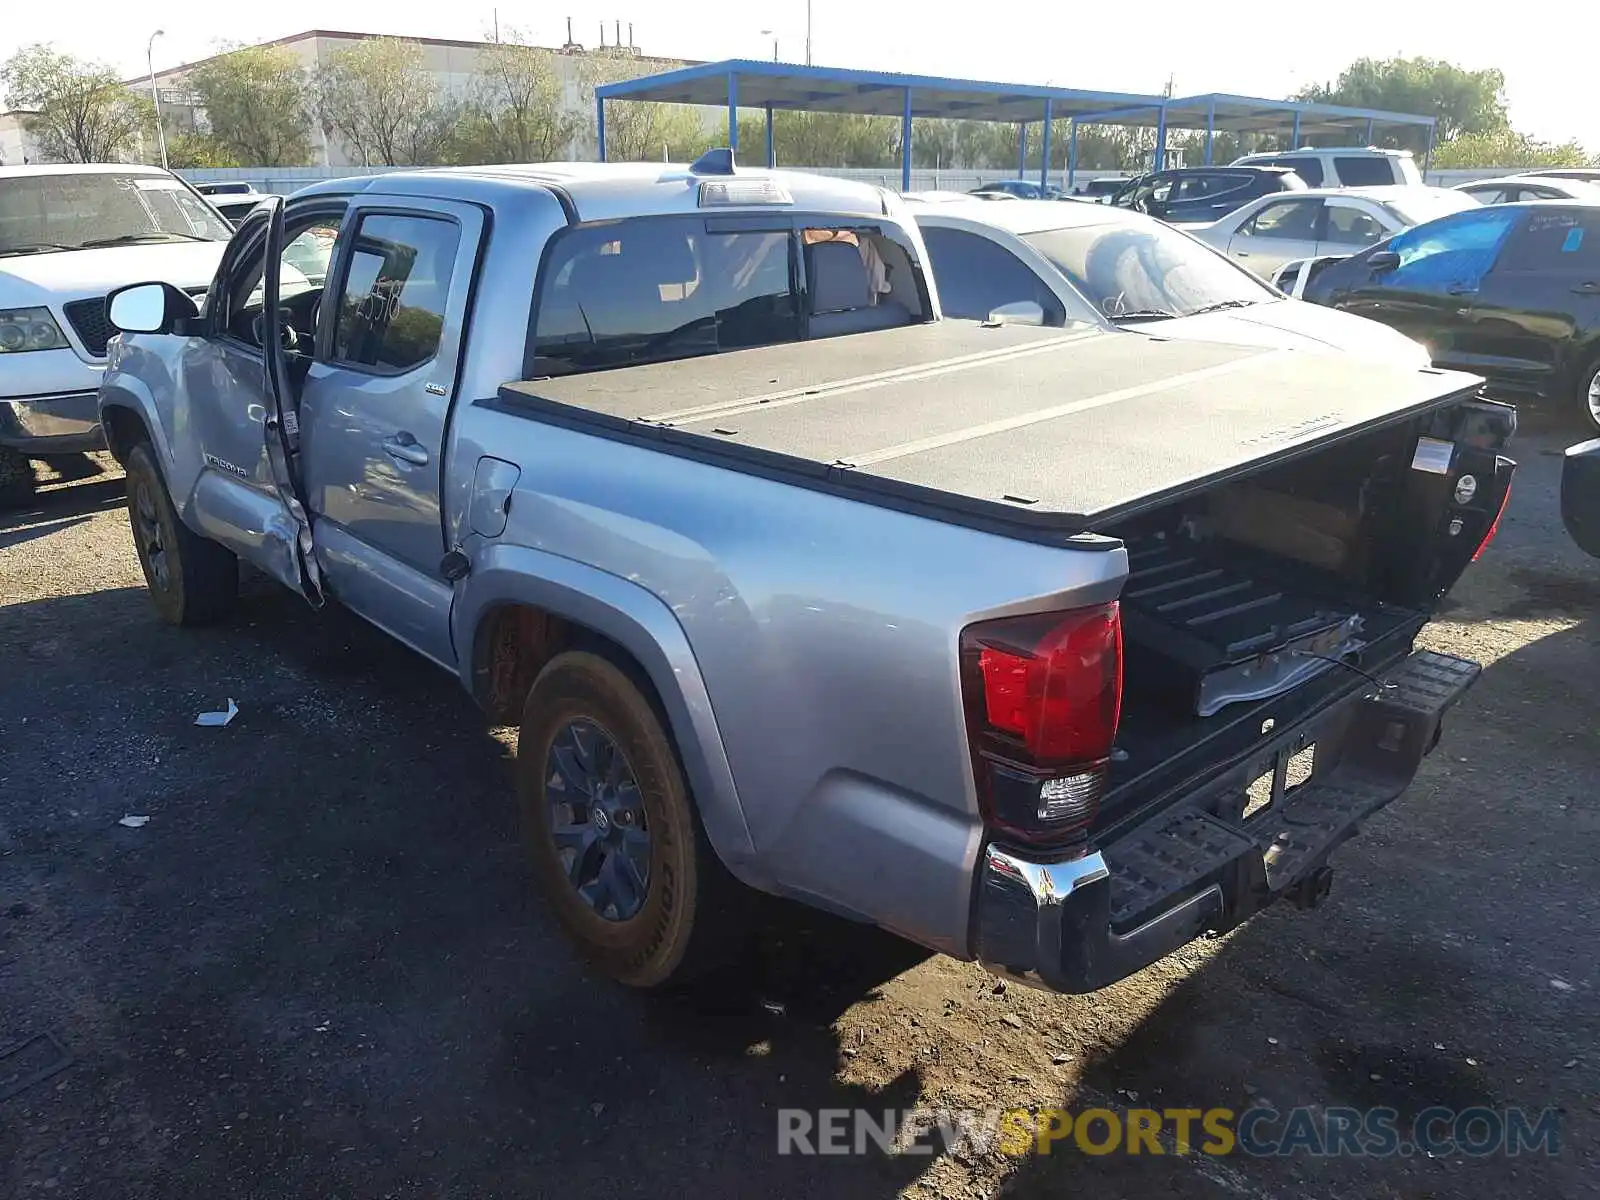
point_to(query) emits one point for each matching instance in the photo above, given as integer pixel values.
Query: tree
(1507, 149)
(257, 100)
(80, 111)
(1461, 101)
(517, 111)
(382, 100)
(639, 132)
(187, 151)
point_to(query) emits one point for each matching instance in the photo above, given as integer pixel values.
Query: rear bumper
(58, 423)
(1580, 495)
(1199, 865)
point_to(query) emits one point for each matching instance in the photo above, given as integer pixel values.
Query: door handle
(403, 447)
(1461, 289)
(1588, 288)
(1241, 254)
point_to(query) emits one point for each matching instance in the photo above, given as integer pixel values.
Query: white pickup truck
(981, 634)
(68, 236)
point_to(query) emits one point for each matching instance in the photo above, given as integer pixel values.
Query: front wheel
(1589, 393)
(615, 841)
(192, 580)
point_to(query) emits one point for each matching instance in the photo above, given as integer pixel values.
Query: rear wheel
(612, 832)
(1589, 393)
(192, 580)
(16, 477)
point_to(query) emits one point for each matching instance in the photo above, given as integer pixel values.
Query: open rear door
(282, 426)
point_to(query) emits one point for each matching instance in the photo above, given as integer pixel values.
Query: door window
(390, 314)
(1209, 186)
(309, 240)
(1294, 220)
(975, 276)
(1493, 195)
(1541, 240)
(1453, 250)
(1309, 169)
(1351, 226)
(1364, 170)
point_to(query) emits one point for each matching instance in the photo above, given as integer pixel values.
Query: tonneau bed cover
(1046, 432)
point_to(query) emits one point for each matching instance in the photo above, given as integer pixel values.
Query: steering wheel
(288, 335)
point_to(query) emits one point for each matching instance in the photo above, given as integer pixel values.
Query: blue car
(1022, 189)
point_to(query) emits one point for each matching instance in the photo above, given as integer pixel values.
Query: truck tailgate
(1048, 431)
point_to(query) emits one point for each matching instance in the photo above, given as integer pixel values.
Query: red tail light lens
(1494, 526)
(1043, 696)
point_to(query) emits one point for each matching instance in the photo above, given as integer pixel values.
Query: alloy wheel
(597, 820)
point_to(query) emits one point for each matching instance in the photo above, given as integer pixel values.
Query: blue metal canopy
(773, 86)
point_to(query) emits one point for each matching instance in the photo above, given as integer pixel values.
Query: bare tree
(80, 111)
(518, 112)
(381, 99)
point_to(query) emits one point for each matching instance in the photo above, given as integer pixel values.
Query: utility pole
(155, 94)
(808, 33)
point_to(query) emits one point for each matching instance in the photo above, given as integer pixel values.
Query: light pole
(808, 33)
(155, 95)
(769, 33)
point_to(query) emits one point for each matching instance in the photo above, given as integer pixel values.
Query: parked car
(1511, 291)
(1101, 190)
(1513, 188)
(68, 235)
(1198, 194)
(1343, 166)
(232, 187)
(1081, 264)
(914, 658)
(1269, 232)
(236, 206)
(1580, 495)
(1022, 189)
(1586, 174)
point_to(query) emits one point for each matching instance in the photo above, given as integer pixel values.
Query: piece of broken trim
(133, 822)
(218, 719)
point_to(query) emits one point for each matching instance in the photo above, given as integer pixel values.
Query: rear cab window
(647, 289)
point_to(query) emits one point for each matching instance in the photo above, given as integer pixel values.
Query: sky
(1258, 50)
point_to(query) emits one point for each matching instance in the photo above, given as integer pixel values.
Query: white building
(17, 145)
(453, 64)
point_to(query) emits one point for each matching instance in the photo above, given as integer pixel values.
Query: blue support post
(1294, 138)
(600, 125)
(1022, 149)
(733, 111)
(1161, 140)
(1427, 154)
(905, 145)
(1211, 129)
(772, 150)
(1044, 154)
(1072, 153)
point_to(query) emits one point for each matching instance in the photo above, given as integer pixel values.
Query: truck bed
(1039, 432)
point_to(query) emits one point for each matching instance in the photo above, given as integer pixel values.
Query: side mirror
(149, 308)
(1383, 260)
(1018, 312)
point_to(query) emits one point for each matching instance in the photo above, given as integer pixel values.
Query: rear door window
(391, 311)
(1349, 225)
(1308, 168)
(1364, 170)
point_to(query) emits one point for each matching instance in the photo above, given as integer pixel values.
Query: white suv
(69, 235)
(1347, 166)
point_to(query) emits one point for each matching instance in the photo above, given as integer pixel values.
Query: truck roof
(1038, 432)
(81, 169)
(599, 191)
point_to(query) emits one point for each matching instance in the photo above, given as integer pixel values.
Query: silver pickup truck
(1050, 648)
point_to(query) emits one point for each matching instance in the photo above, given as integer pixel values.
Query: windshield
(1425, 206)
(40, 213)
(1146, 268)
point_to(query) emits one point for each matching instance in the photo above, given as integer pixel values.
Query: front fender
(133, 396)
(641, 623)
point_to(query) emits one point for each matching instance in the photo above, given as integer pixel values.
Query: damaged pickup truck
(1049, 648)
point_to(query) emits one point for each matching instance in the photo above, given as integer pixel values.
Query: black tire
(16, 477)
(1589, 394)
(192, 580)
(691, 915)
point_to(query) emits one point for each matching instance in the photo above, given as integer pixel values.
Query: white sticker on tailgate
(1433, 456)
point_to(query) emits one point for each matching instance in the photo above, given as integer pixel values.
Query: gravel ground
(319, 970)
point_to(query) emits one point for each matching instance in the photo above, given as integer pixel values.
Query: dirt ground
(319, 969)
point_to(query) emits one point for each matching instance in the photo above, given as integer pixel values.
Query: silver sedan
(1274, 230)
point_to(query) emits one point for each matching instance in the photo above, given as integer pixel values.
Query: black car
(1022, 189)
(1203, 193)
(1509, 291)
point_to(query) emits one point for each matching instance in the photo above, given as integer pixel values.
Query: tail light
(1043, 694)
(1494, 525)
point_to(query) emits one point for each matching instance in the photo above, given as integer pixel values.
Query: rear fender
(642, 624)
